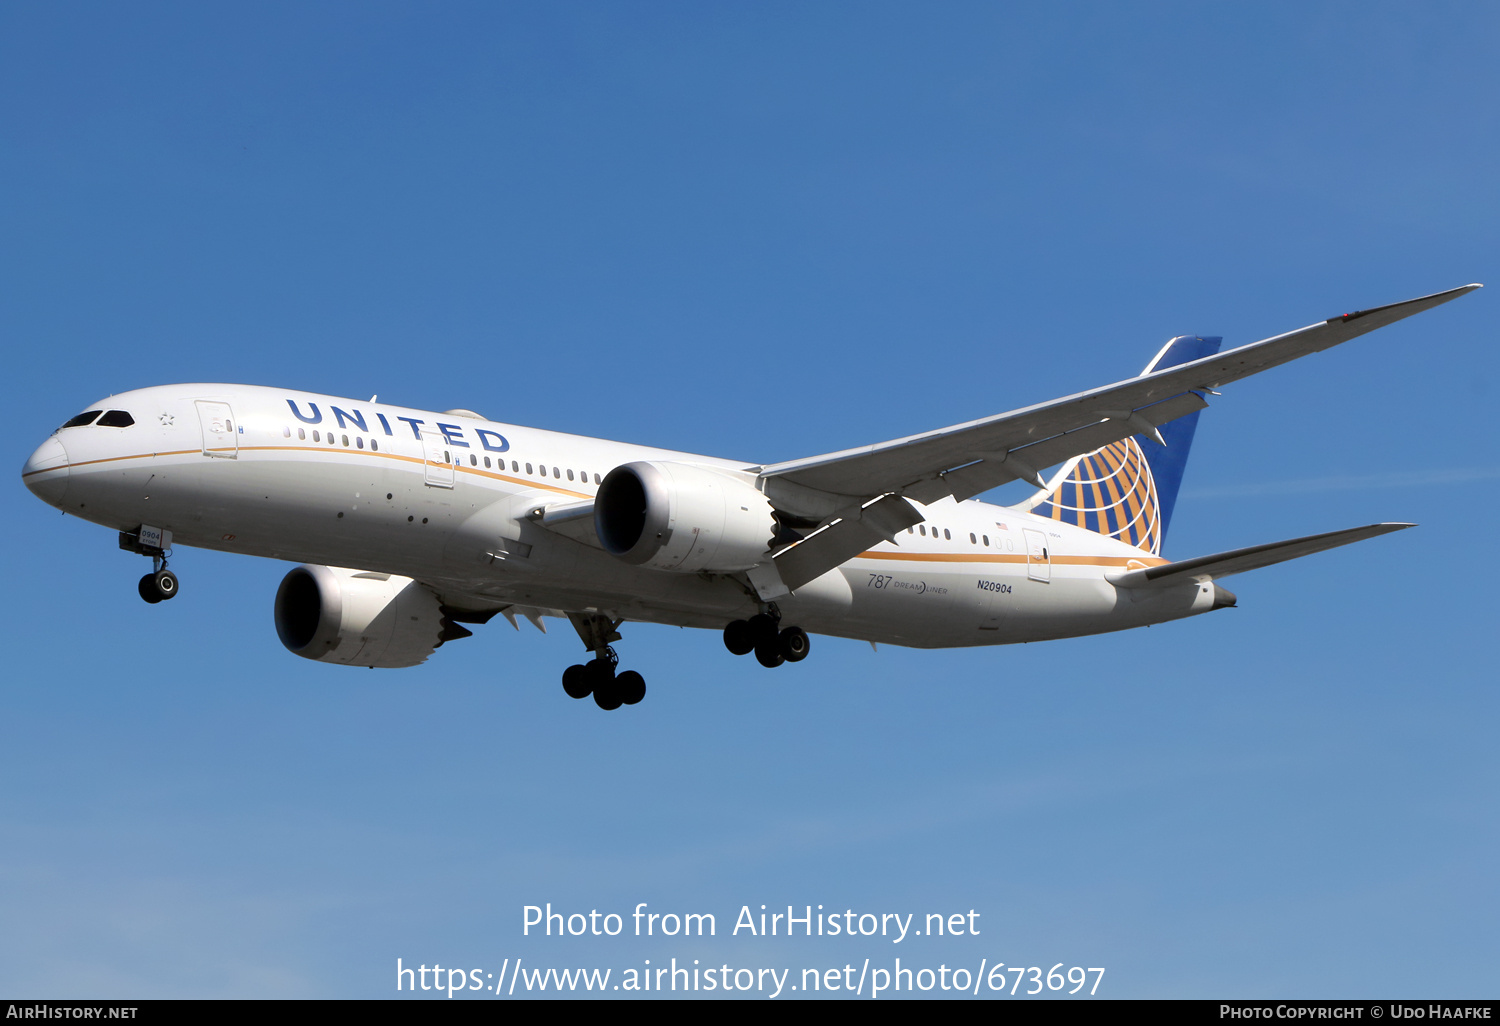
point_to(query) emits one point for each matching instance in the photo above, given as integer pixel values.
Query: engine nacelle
(357, 618)
(675, 516)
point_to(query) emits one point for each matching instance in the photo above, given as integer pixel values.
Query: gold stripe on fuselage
(476, 471)
(1019, 558)
(916, 557)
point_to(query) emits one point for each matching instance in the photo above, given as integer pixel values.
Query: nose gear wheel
(160, 584)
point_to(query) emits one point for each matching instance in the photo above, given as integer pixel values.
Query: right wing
(857, 497)
(966, 459)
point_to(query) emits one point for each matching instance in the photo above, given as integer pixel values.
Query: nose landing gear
(764, 635)
(160, 584)
(597, 677)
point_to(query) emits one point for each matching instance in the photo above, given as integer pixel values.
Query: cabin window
(557, 473)
(486, 463)
(82, 419)
(596, 479)
(330, 438)
(473, 460)
(986, 541)
(286, 432)
(946, 535)
(570, 475)
(302, 434)
(346, 441)
(375, 444)
(317, 437)
(973, 540)
(359, 443)
(119, 418)
(528, 468)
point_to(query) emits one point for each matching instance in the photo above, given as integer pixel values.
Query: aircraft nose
(46, 472)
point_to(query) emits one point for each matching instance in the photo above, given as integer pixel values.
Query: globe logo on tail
(1111, 491)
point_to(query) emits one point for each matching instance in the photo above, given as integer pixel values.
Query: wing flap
(843, 539)
(1021, 462)
(1237, 561)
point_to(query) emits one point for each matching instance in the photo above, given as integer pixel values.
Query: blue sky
(764, 231)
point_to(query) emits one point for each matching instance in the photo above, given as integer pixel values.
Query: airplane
(410, 523)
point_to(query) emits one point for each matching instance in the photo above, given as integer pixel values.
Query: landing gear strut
(160, 583)
(764, 635)
(597, 677)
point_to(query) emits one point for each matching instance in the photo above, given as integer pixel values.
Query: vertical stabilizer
(1127, 490)
(1167, 464)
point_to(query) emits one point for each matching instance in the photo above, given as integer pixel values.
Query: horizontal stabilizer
(1222, 564)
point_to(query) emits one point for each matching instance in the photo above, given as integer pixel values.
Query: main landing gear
(598, 677)
(764, 635)
(160, 584)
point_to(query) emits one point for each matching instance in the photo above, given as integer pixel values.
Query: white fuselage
(444, 498)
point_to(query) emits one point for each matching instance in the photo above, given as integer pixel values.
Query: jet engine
(358, 618)
(684, 518)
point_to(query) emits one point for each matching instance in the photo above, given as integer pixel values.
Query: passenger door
(220, 432)
(437, 459)
(1038, 559)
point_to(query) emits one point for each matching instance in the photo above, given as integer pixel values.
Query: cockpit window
(116, 418)
(82, 419)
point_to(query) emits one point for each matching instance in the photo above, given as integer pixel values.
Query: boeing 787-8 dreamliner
(412, 523)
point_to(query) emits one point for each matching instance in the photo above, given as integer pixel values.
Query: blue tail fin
(1128, 490)
(1167, 464)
